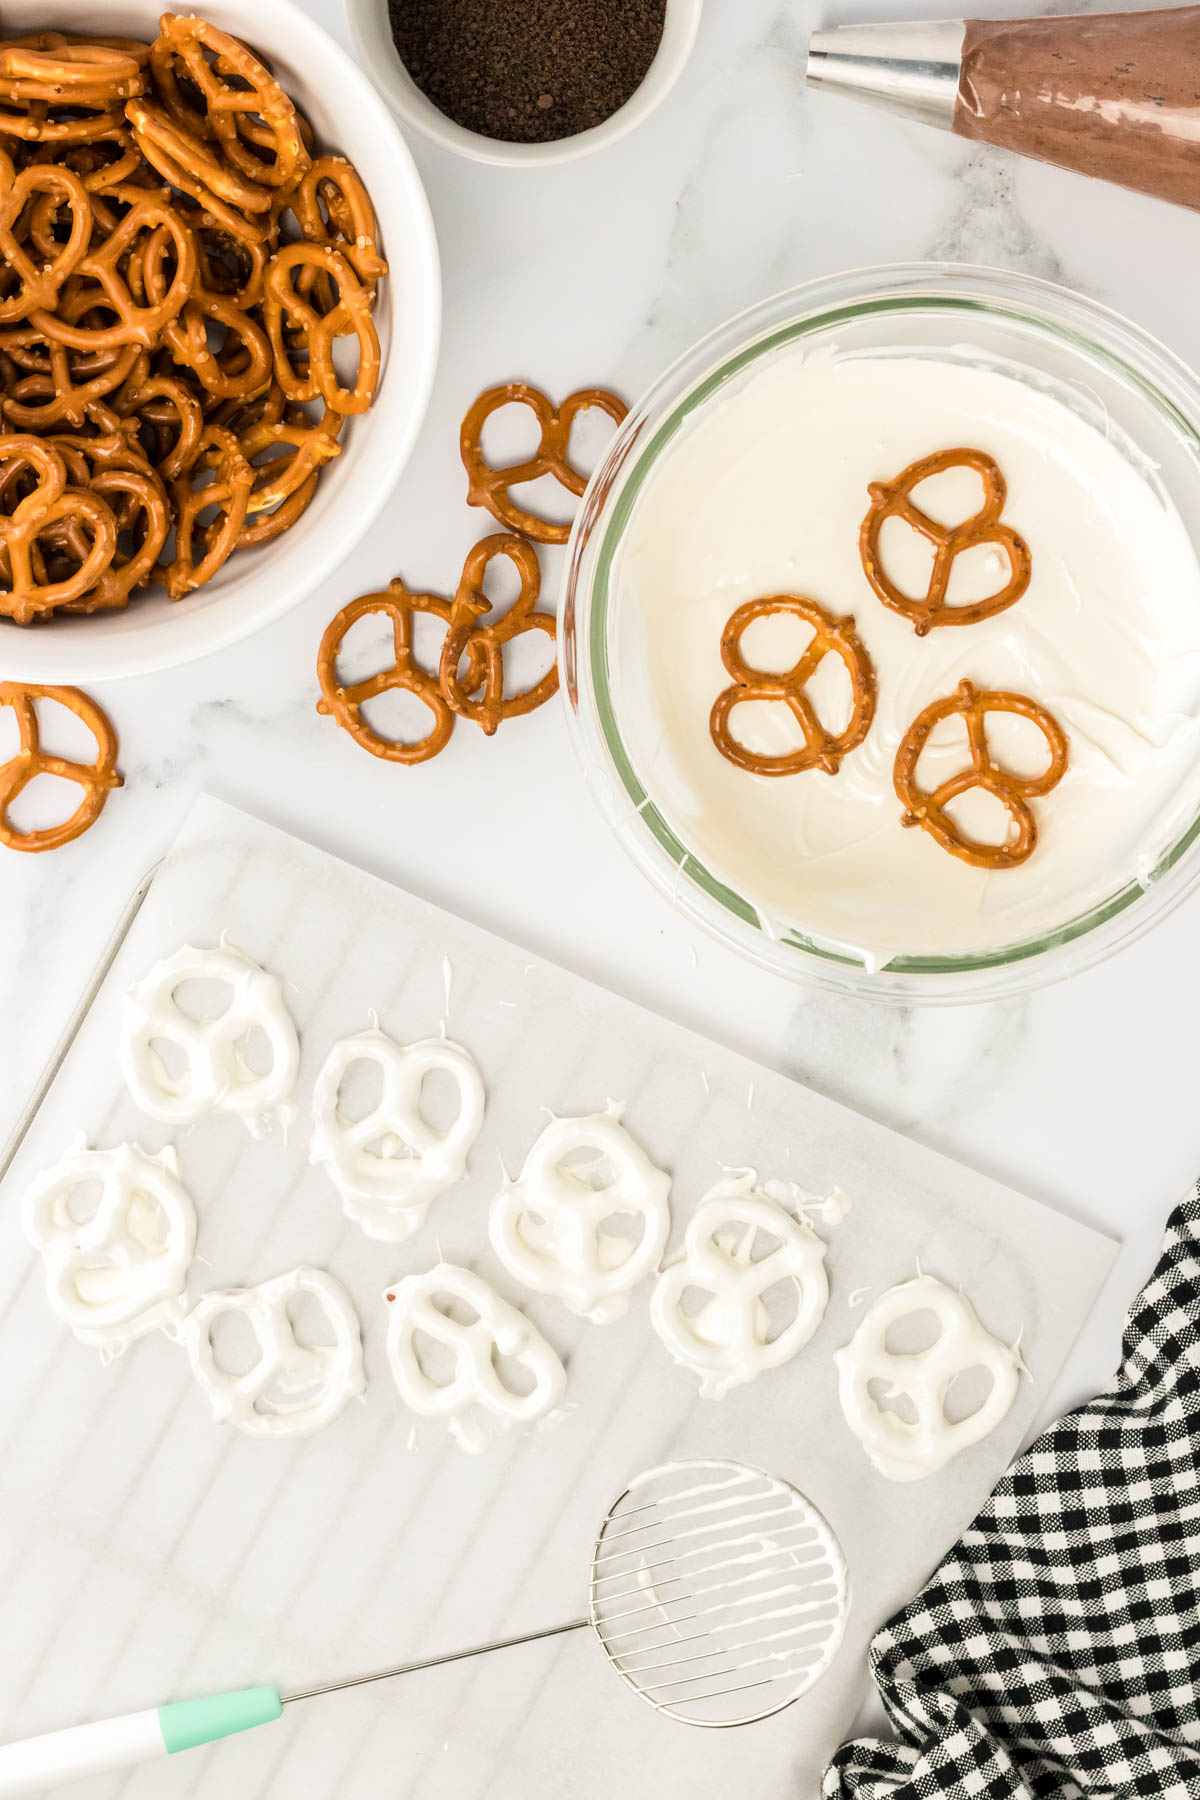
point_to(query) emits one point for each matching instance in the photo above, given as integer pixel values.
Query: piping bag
(1115, 95)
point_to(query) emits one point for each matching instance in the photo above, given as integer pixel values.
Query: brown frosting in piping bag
(1115, 95)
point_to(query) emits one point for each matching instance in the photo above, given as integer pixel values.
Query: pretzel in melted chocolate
(893, 500)
(822, 749)
(928, 810)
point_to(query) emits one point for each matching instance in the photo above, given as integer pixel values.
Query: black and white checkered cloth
(1057, 1649)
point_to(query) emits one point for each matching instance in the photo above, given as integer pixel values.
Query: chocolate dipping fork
(718, 1593)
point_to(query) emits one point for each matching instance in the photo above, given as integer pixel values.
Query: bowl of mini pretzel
(219, 314)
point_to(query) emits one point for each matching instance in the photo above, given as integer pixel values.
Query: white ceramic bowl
(377, 52)
(257, 586)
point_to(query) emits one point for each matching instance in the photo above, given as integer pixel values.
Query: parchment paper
(148, 1554)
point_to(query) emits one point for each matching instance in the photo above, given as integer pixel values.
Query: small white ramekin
(379, 57)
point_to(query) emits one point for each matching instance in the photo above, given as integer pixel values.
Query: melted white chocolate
(476, 1386)
(293, 1389)
(216, 1076)
(764, 492)
(904, 1449)
(547, 1227)
(390, 1165)
(119, 1271)
(729, 1340)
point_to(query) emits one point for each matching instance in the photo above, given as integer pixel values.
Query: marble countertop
(602, 272)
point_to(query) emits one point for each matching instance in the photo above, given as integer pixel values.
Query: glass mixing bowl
(1105, 368)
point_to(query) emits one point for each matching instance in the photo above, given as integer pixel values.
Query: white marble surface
(603, 271)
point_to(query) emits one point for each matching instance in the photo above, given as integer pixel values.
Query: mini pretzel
(187, 162)
(391, 1164)
(37, 402)
(155, 398)
(248, 114)
(284, 485)
(145, 500)
(97, 778)
(284, 300)
(227, 374)
(85, 122)
(51, 503)
(98, 172)
(344, 704)
(121, 1272)
(821, 749)
(216, 247)
(928, 810)
(893, 499)
(229, 491)
(485, 643)
(137, 324)
(39, 286)
(346, 224)
(489, 487)
(71, 74)
(309, 447)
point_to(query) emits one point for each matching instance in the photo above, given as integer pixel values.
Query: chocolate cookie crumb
(527, 71)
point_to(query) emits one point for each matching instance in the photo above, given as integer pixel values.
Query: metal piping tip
(911, 69)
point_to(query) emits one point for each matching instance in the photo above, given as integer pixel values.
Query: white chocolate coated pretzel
(293, 1389)
(217, 1077)
(905, 1450)
(476, 1385)
(389, 1190)
(121, 1272)
(728, 1341)
(547, 1227)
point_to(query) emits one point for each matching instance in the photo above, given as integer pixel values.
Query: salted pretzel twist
(489, 487)
(484, 643)
(228, 492)
(822, 749)
(61, 89)
(287, 311)
(344, 704)
(69, 73)
(893, 500)
(106, 268)
(38, 286)
(928, 810)
(25, 589)
(250, 115)
(332, 206)
(70, 386)
(97, 778)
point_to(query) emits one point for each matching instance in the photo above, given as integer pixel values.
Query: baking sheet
(147, 1553)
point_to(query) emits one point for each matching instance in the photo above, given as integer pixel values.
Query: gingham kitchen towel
(1057, 1649)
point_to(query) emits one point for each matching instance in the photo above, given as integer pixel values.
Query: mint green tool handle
(187, 1723)
(42, 1763)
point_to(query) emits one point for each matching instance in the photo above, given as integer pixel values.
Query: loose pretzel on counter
(489, 487)
(97, 778)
